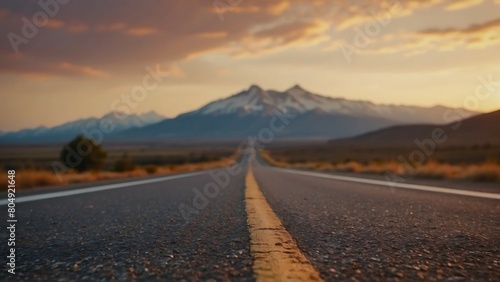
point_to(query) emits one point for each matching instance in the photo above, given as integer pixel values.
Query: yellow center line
(275, 253)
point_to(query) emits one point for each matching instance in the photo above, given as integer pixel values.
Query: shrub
(82, 154)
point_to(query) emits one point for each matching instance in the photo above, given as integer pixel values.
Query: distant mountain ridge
(245, 114)
(120, 122)
(255, 100)
(477, 130)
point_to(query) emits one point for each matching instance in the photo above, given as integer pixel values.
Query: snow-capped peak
(119, 121)
(257, 101)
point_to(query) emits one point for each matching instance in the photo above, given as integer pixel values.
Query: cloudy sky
(73, 59)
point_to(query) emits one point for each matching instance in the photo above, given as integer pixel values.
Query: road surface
(258, 224)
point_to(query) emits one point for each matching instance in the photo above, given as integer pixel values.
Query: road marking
(52, 195)
(276, 255)
(397, 185)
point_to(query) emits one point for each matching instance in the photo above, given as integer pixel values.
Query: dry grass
(30, 178)
(466, 154)
(488, 171)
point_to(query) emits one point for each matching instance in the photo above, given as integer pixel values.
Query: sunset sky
(91, 52)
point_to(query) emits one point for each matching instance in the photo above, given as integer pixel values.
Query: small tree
(82, 154)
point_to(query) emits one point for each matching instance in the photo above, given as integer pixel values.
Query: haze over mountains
(245, 114)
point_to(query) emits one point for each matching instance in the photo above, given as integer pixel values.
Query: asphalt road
(164, 230)
(134, 232)
(372, 232)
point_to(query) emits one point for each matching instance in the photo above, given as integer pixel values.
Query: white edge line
(25, 199)
(398, 185)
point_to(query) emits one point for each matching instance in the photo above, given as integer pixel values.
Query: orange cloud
(347, 15)
(193, 29)
(280, 37)
(85, 70)
(111, 27)
(462, 4)
(71, 27)
(215, 34)
(367, 11)
(76, 28)
(223, 7)
(175, 71)
(55, 23)
(141, 31)
(278, 8)
(198, 53)
(442, 40)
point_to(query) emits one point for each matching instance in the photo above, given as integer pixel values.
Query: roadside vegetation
(33, 165)
(29, 178)
(475, 163)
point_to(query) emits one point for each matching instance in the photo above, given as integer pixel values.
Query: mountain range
(247, 113)
(64, 132)
(255, 100)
